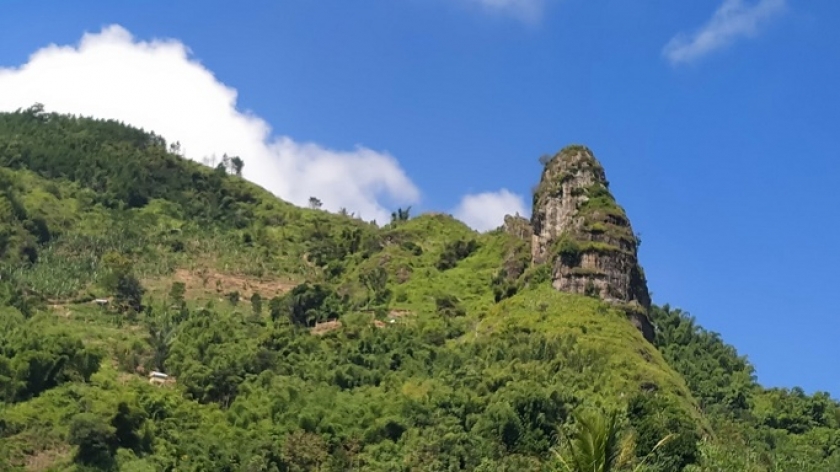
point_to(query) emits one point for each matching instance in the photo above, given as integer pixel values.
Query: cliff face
(578, 227)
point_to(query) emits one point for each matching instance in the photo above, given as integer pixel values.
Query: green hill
(296, 339)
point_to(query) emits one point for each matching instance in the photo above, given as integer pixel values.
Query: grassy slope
(70, 265)
(224, 258)
(166, 246)
(632, 362)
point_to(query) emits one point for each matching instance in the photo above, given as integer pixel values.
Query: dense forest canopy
(295, 339)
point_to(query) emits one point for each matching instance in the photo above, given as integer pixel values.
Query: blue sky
(717, 122)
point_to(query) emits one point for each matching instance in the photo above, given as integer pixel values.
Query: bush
(95, 440)
(569, 251)
(503, 287)
(455, 252)
(309, 304)
(449, 306)
(653, 417)
(412, 248)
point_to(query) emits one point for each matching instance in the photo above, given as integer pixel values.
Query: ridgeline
(294, 339)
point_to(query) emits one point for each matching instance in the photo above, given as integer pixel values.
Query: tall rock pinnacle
(580, 229)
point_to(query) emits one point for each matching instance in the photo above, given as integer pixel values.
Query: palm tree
(599, 445)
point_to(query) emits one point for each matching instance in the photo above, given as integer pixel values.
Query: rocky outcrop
(578, 228)
(518, 226)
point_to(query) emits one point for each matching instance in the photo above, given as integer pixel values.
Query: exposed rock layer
(578, 227)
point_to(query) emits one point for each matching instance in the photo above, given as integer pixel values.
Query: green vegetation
(568, 250)
(296, 340)
(604, 227)
(454, 252)
(756, 429)
(600, 445)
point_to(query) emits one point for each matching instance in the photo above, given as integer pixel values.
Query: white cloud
(486, 211)
(158, 86)
(528, 10)
(734, 19)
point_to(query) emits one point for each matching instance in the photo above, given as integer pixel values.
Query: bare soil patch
(399, 313)
(43, 460)
(206, 281)
(325, 327)
(61, 310)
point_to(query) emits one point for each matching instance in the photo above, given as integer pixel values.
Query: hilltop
(299, 339)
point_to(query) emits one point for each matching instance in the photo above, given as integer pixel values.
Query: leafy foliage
(758, 429)
(597, 445)
(297, 339)
(36, 356)
(454, 252)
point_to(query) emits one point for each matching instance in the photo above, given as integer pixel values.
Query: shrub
(449, 306)
(455, 252)
(569, 251)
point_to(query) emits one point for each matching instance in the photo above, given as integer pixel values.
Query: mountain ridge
(445, 349)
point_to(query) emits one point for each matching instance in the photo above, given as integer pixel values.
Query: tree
(314, 203)
(376, 281)
(653, 416)
(449, 306)
(161, 337)
(177, 292)
(599, 445)
(309, 304)
(400, 215)
(40, 360)
(454, 252)
(303, 451)
(95, 440)
(127, 424)
(275, 308)
(36, 111)
(129, 293)
(122, 283)
(236, 165)
(256, 304)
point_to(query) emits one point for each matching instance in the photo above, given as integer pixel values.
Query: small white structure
(159, 378)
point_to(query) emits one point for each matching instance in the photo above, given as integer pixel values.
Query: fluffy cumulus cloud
(733, 20)
(528, 10)
(158, 86)
(486, 211)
